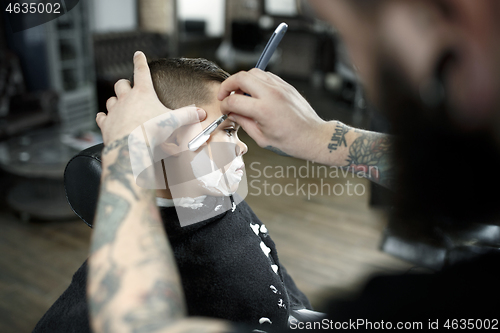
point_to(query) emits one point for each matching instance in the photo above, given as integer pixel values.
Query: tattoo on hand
(338, 137)
(277, 151)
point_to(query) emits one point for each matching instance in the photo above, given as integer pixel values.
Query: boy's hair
(180, 82)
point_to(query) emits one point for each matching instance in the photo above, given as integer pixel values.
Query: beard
(445, 174)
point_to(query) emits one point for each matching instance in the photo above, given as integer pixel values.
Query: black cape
(224, 271)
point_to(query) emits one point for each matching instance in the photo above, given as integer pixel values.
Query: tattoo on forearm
(338, 138)
(159, 306)
(121, 170)
(153, 242)
(115, 144)
(108, 288)
(371, 154)
(112, 210)
(158, 309)
(277, 151)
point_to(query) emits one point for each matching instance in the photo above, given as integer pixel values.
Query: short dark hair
(180, 82)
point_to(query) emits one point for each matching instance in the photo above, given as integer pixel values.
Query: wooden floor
(328, 243)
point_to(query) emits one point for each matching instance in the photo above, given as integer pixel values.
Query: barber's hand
(275, 114)
(133, 107)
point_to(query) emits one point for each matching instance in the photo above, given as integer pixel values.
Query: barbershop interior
(333, 229)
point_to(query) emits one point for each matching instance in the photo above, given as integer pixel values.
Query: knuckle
(254, 71)
(232, 102)
(117, 83)
(243, 76)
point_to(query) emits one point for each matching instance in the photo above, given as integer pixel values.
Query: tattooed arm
(278, 118)
(366, 153)
(133, 283)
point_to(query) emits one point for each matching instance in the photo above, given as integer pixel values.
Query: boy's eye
(230, 131)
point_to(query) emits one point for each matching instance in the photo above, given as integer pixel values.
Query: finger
(142, 75)
(264, 76)
(249, 83)
(100, 118)
(249, 125)
(247, 106)
(122, 86)
(110, 102)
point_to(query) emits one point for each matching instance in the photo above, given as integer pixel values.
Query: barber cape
(229, 269)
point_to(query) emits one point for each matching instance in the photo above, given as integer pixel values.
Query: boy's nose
(241, 148)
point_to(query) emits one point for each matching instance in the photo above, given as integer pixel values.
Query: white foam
(212, 177)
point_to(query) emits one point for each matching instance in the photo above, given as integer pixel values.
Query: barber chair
(443, 245)
(82, 178)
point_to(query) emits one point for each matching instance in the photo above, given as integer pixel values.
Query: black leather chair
(446, 244)
(82, 178)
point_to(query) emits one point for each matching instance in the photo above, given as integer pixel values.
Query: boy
(228, 262)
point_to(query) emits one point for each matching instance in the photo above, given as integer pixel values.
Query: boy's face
(217, 167)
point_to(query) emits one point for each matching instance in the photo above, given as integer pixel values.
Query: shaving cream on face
(212, 178)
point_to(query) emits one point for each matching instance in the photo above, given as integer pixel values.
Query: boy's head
(181, 82)
(215, 168)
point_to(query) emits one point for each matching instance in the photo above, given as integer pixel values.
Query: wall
(212, 11)
(113, 15)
